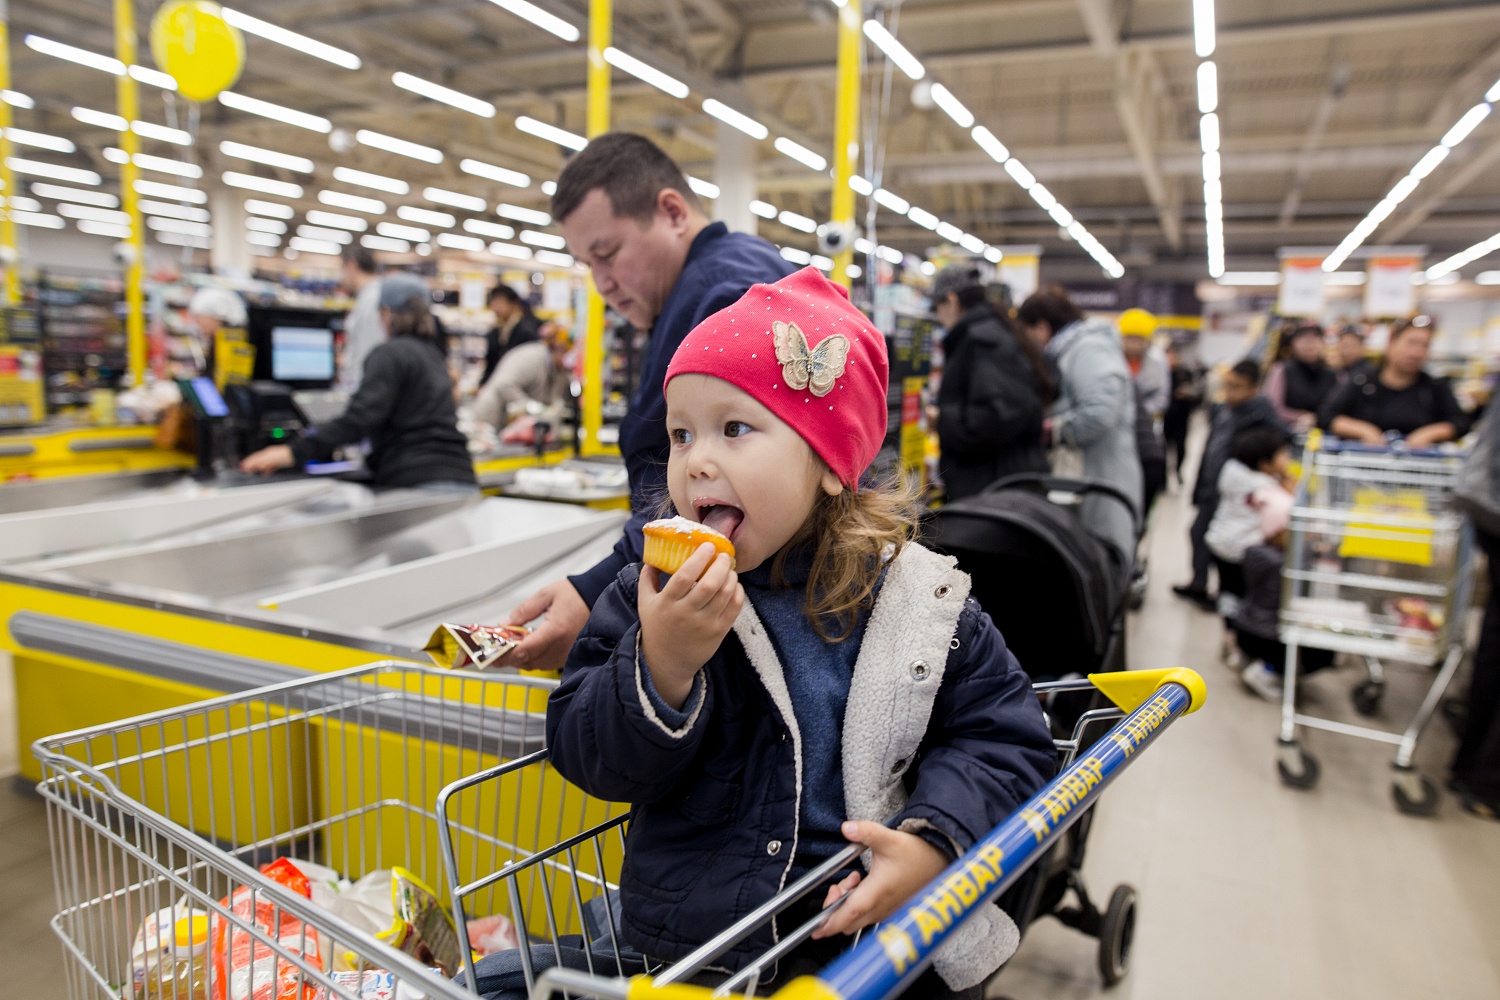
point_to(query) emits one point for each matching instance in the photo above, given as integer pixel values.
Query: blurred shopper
(363, 330)
(515, 324)
(1476, 765)
(1350, 352)
(1095, 410)
(1255, 475)
(1300, 384)
(1241, 410)
(1186, 394)
(210, 310)
(628, 213)
(995, 385)
(531, 376)
(1397, 399)
(404, 406)
(1148, 369)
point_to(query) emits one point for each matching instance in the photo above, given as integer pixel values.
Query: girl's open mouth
(722, 517)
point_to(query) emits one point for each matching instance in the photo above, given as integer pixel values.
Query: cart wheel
(1116, 932)
(1367, 697)
(1297, 767)
(1414, 792)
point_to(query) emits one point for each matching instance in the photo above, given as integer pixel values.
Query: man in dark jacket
(628, 213)
(990, 402)
(1242, 409)
(514, 325)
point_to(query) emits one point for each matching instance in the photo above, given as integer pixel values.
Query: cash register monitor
(294, 346)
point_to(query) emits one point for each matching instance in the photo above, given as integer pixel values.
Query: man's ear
(671, 205)
(830, 482)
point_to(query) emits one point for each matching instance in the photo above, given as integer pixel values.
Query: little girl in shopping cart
(833, 685)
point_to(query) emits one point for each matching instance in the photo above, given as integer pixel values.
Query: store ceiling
(1324, 105)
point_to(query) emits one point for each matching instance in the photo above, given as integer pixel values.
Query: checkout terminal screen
(209, 400)
(301, 354)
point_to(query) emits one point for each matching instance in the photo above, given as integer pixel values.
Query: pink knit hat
(804, 352)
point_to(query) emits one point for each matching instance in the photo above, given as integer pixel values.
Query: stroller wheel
(1297, 767)
(1367, 697)
(1116, 932)
(1414, 792)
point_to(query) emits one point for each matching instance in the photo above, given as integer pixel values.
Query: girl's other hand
(901, 864)
(684, 620)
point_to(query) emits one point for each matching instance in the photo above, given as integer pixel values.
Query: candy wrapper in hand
(477, 646)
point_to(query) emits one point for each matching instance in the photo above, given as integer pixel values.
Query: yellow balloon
(192, 42)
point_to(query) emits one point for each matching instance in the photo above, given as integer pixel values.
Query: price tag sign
(1389, 292)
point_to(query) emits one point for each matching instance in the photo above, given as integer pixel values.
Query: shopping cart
(1379, 565)
(566, 899)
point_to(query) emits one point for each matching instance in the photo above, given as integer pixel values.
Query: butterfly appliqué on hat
(814, 369)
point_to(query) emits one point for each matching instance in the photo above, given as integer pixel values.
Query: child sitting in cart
(834, 684)
(1255, 474)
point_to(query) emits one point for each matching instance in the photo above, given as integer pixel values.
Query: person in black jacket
(994, 388)
(515, 324)
(1398, 399)
(404, 406)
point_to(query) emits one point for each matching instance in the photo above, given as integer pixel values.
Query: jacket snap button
(942, 591)
(899, 766)
(773, 848)
(919, 670)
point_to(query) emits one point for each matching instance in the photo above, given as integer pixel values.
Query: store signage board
(1388, 289)
(1020, 268)
(1301, 292)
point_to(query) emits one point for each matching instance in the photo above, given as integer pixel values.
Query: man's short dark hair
(1247, 370)
(630, 169)
(1052, 305)
(1256, 445)
(360, 257)
(507, 293)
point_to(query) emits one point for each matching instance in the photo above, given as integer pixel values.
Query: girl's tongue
(724, 519)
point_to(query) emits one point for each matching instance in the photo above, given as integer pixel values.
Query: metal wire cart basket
(1379, 565)
(170, 834)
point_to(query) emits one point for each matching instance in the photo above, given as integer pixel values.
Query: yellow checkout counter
(137, 588)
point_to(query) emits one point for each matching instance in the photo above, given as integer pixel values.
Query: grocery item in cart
(488, 935)
(177, 934)
(423, 927)
(672, 541)
(241, 967)
(477, 646)
(370, 984)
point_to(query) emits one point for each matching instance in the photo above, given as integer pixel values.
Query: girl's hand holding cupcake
(685, 619)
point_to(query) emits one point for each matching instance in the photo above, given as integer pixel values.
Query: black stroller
(1058, 595)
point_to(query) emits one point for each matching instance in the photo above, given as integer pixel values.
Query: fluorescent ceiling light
(822, 263)
(21, 203)
(554, 258)
(530, 216)
(400, 232)
(928, 268)
(1039, 194)
(59, 193)
(551, 133)
(304, 245)
(163, 165)
(377, 182)
(512, 250)
(943, 98)
(111, 230)
(890, 254)
(272, 209)
(96, 214)
(549, 188)
(114, 154)
(187, 212)
(275, 112)
(271, 158)
(154, 77)
(799, 257)
(321, 218)
(323, 233)
(1212, 166)
(100, 119)
(1203, 28)
(57, 172)
(16, 99)
(454, 241)
(800, 153)
(987, 142)
(949, 232)
(1020, 174)
(260, 225)
(385, 243)
(863, 246)
(482, 227)
(735, 119)
(894, 50)
(1487, 278)
(799, 222)
(971, 243)
(389, 143)
(40, 220)
(184, 240)
(993, 255)
(1208, 87)
(1428, 163)
(548, 240)
(161, 133)
(641, 71)
(291, 39)
(491, 172)
(427, 217)
(454, 199)
(1458, 260)
(1208, 132)
(861, 186)
(263, 239)
(1468, 123)
(854, 270)
(542, 19)
(353, 202)
(1061, 215)
(444, 95)
(162, 225)
(265, 185)
(764, 209)
(1253, 279)
(922, 217)
(892, 201)
(704, 189)
(73, 54)
(40, 140)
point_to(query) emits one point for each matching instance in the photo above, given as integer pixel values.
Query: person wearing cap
(630, 215)
(994, 389)
(1299, 385)
(211, 309)
(403, 406)
(751, 758)
(1148, 370)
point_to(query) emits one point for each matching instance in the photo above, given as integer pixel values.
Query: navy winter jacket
(714, 830)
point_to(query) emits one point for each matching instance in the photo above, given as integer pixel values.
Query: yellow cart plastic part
(801, 988)
(1129, 689)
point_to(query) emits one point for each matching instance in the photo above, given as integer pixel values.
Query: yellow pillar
(135, 269)
(601, 16)
(846, 128)
(12, 261)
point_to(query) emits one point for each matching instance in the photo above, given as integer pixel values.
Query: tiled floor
(1247, 889)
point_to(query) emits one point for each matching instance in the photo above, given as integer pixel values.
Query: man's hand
(547, 647)
(684, 621)
(272, 459)
(902, 864)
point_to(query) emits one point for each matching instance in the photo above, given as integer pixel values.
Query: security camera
(835, 237)
(125, 253)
